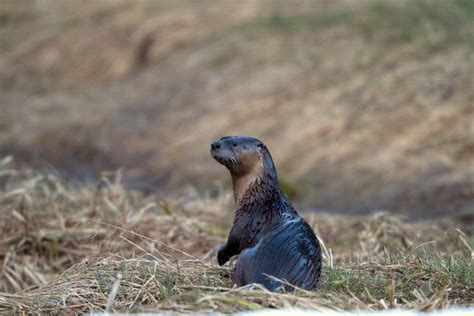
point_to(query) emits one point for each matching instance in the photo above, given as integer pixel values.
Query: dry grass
(373, 100)
(95, 248)
(363, 105)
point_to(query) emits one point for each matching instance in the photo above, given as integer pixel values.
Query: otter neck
(256, 188)
(241, 184)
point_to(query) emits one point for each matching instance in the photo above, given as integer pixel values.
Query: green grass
(434, 24)
(291, 23)
(290, 189)
(10, 14)
(407, 274)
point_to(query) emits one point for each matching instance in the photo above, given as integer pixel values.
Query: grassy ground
(365, 105)
(95, 248)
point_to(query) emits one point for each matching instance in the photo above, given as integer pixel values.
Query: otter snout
(225, 151)
(218, 151)
(216, 148)
(216, 145)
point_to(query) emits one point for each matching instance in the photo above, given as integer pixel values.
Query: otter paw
(222, 256)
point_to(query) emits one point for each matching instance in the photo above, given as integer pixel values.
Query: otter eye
(260, 146)
(234, 144)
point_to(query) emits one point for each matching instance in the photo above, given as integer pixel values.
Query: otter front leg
(226, 252)
(230, 249)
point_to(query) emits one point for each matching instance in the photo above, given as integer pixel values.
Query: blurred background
(364, 105)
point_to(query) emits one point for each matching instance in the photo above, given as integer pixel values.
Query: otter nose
(216, 145)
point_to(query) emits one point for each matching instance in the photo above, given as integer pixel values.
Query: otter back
(291, 253)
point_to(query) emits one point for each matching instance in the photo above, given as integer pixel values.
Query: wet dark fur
(270, 236)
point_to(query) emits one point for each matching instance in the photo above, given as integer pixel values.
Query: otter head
(245, 157)
(241, 154)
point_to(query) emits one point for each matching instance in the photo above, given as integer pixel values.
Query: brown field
(107, 110)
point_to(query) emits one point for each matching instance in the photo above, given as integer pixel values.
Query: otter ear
(267, 158)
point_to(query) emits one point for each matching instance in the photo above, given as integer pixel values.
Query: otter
(274, 242)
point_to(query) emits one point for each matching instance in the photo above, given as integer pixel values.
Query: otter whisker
(234, 162)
